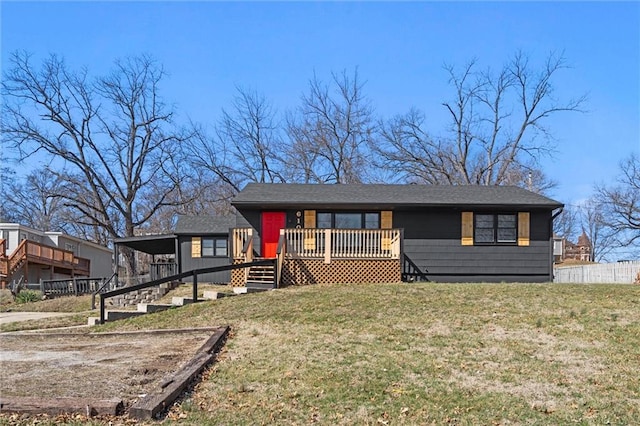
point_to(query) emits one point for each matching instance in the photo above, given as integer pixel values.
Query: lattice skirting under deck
(237, 275)
(355, 271)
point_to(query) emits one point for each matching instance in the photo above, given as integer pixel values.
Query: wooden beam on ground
(152, 404)
(55, 406)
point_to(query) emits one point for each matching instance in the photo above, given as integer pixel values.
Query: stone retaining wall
(147, 295)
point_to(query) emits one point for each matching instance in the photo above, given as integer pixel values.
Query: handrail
(240, 239)
(247, 253)
(17, 256)
(247, 249)
(99, 290)
(409, 268)
(281, 252)
(194, 273)
(4, 260)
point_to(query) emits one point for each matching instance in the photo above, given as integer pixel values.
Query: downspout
(554, 215)
(557, 214)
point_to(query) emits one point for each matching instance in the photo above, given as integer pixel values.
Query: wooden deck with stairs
(36, 255)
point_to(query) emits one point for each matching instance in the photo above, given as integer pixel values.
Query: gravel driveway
(101, 365)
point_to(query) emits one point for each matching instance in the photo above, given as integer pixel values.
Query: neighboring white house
(34, 255)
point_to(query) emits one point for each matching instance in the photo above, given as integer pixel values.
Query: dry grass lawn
(421, 354)
(464, 354)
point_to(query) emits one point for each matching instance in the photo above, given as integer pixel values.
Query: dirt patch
(106, 365)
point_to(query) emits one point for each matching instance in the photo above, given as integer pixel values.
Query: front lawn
(419, 354)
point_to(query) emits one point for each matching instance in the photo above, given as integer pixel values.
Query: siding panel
(444, 259)
(189, 264)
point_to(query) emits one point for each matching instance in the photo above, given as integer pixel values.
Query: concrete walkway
(7, 317)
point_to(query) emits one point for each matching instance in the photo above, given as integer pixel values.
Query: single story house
(385, 233)
(367, 233)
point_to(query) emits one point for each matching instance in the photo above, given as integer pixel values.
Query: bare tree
(595, 227)
(112, 137)
(331, 130)
(7, 179)
(620, 203)
(245, 147)
(34, 202)
(567, 223)
(498, 128)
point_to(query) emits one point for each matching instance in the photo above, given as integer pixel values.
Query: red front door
(272, 223)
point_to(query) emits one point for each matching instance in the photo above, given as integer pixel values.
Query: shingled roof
(205, 224)
(281, 195)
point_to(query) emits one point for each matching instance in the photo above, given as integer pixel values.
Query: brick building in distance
(565, 250)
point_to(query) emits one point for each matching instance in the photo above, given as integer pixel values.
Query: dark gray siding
(447, 260)
(432, 242)
(189, 263)
(251, 219)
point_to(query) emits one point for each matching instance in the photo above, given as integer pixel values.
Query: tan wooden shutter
(309, 218)
(386, 222)
(196, 247)
(309, 236)
(523, 228)
(386, 219)
(467, 229)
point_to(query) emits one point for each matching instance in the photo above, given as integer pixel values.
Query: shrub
(27, 296)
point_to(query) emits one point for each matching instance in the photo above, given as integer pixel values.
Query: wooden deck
(30, 254)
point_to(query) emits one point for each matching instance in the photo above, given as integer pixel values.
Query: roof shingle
(205, 224)
(387, 195)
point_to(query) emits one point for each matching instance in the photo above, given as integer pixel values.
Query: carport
(156, 245)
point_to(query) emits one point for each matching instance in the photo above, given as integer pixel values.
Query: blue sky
(208, 48)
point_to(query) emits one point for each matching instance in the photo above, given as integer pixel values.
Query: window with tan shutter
(481, 228)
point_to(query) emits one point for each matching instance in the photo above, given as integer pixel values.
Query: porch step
(253, 286)
(258, 275)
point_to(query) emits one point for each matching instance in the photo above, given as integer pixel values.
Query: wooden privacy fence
(620, 272)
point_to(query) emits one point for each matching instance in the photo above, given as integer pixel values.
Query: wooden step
(253, 286)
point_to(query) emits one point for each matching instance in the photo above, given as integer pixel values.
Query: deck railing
(240, 237)
(162, 269)
(330, 244)
(40, 253)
